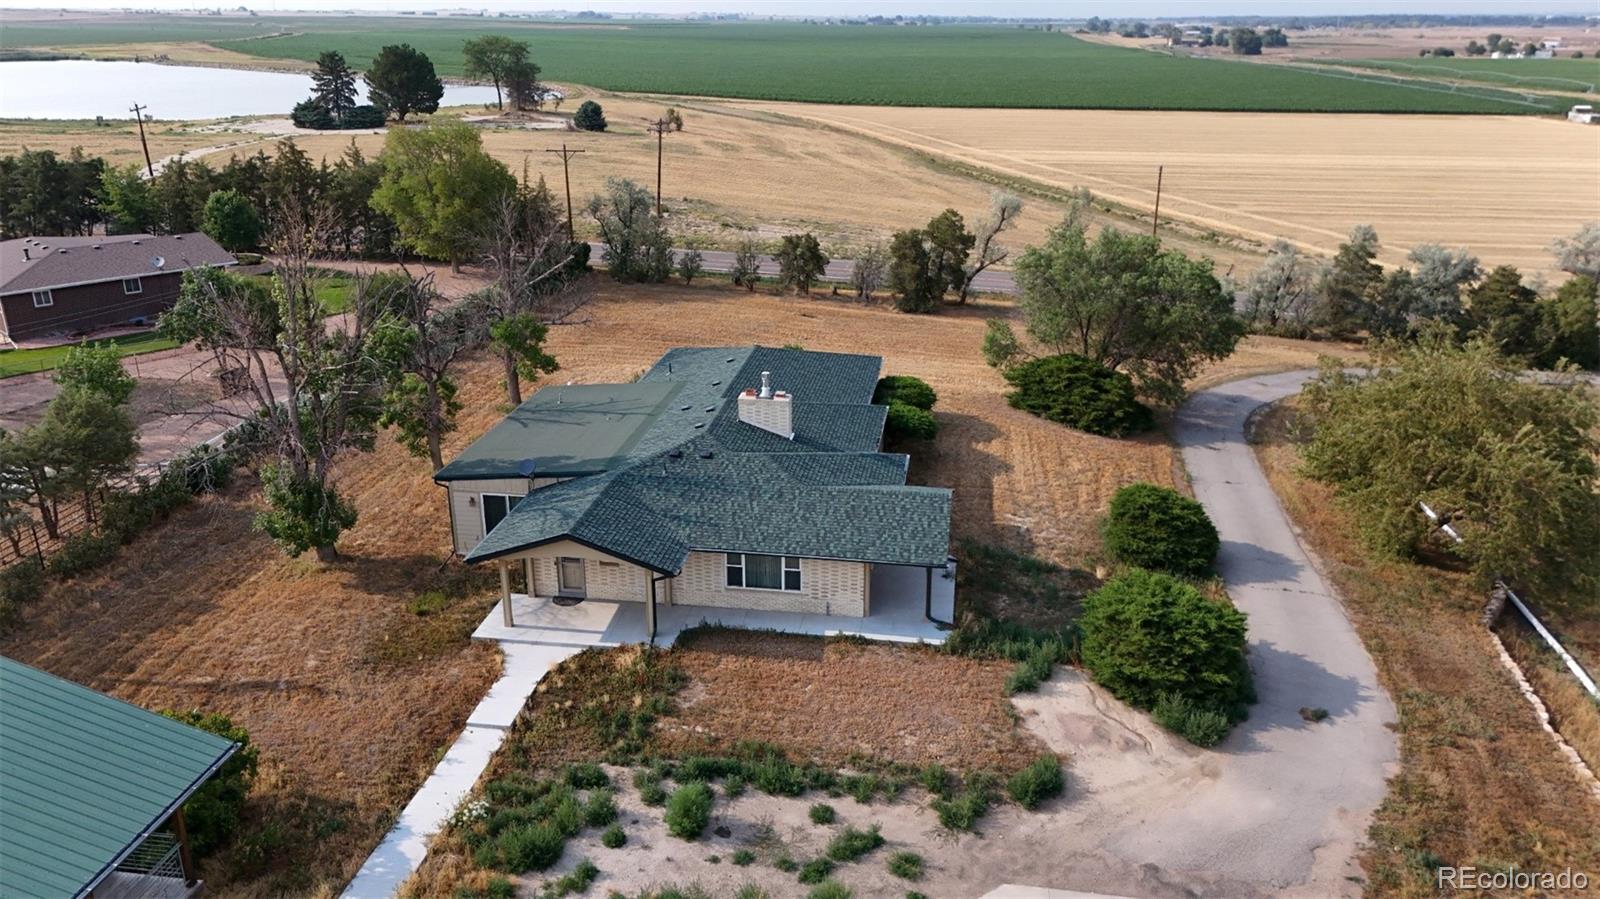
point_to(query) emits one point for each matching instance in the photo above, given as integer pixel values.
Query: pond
(83, 89)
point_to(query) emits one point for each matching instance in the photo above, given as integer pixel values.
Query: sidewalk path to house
(1292, 800)
(544, 634)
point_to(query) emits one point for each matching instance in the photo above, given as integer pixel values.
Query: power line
(138, 116)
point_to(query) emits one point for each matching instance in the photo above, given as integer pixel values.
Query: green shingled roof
(564, 431)
(692, 476)
(84, 778)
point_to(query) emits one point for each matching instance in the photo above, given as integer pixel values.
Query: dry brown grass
(1480, 782)
(117, 141)
(348, 694)
(1302, 177)
(734, 169)
(1573, 713)
(825, 701)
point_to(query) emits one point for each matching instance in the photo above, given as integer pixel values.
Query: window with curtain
(758, 572)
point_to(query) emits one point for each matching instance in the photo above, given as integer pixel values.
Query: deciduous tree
(97, 369)
(436, 184)
(800, 261)
(1127, 303)
(231, 220)
(1349, 286)
(1277, 297)
(871, 270)
(494, 57)
(638, 246)
(1507, 462)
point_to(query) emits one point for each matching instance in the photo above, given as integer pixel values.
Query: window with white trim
(131, 286)
(496, 506)
(756, 572)
(43, 298)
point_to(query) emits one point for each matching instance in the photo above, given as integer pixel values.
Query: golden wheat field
(1503, 186)
(734, 169)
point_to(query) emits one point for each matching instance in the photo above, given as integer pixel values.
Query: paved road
(838, 271)
(1292, 800)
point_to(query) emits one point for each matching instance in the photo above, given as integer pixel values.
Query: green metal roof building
(759, 452)
(92, 790)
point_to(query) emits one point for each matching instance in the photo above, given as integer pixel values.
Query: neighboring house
(72, 285)
(92, 791)
(748, 477)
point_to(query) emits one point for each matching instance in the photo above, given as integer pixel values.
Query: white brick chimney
(767, 409)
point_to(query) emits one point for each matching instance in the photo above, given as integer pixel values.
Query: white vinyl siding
(43, 298)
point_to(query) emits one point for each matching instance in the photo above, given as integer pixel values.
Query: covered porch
(902, 597)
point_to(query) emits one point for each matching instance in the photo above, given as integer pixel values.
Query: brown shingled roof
(44, 263)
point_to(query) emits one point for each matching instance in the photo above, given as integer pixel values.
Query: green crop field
(923, 66)
(1570, 75)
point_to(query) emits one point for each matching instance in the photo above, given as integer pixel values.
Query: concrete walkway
(543, 635)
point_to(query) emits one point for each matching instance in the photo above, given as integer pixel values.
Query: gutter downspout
(927, 611)
(650, 610)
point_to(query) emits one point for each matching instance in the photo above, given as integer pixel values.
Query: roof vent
(684, 408)
(136, 243)
(177, 237)
(706, 454)
(711, 408)
(675, 454)
(699, 424)
(716, 383)
(62, 252)
(97, 246)
(732, 359)
(26, 255)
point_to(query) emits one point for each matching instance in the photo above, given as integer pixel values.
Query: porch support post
(505, 595)
(185, 858)
(928, 594)
(650, 613)
(527, 573)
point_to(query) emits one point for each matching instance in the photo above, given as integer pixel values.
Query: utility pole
(660, 127)
(1155, 220)
(138, 115)
(566, 155)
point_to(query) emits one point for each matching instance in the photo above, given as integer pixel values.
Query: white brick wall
(828, 587)
(604, 577)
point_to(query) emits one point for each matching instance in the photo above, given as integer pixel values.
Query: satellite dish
(157, 261)
(525, 468)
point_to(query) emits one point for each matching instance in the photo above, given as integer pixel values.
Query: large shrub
(689, 811)
(1160, 528)
(1148, 635)
(212, 813)
(907, 422)
(1079, 393)
(905, 389)
(589, 117)
(364, 116)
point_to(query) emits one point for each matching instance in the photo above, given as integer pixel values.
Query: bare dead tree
(424, 340)
(312, 379)
(1003, 211)
(534, 271)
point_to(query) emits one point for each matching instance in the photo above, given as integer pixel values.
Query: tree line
(1297, 296)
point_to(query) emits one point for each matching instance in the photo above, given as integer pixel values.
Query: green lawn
(18, 362)
(912, 66)
(1574, 75)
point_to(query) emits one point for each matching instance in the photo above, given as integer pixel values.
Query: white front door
(569, 576)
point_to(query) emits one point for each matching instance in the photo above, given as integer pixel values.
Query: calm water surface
(83, 89)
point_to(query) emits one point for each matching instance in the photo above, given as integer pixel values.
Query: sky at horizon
(1016, 8)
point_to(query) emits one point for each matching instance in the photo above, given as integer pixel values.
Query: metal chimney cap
(766, 385)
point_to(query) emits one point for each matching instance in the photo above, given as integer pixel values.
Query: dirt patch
(1480, 781)
(838, 702)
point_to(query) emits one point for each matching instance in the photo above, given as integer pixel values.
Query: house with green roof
(92, 792)
(745, 478)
